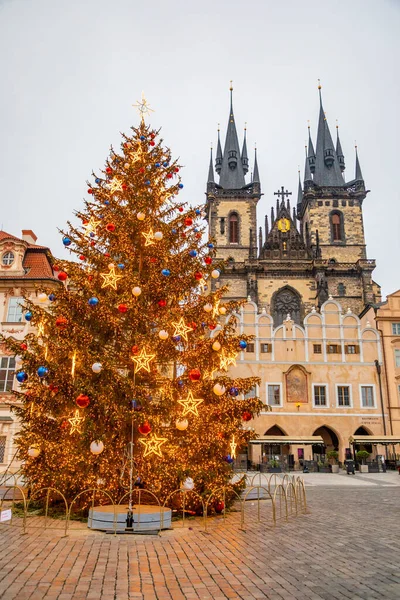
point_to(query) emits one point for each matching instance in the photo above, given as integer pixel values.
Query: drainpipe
(386, 379)
(379, 371)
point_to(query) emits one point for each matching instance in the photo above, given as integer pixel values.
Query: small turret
(210, 170)
(339, 151)
(218, 158)
(256, 174)
(311, 153)
(359, 176)
(299, 194)
(244, 157)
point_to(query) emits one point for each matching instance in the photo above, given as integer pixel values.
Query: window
(351, 349)
(337, 233)
(14, 314)
(233, 229)
(397, 357)
(265, 348)
(320, 395)
(8, 258)
(343, 395)
(396, 328)
(317, 349)
(341, 289)
(333, 349)
(250, 347)
(7, 368)
(2, 447)
(367, 396)
(274, 394)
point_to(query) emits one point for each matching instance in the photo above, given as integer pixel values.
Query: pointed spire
(311, 151)
(294, 217)
(211, 169)
(288, 205)
(218, 158)
(327, 169)
(359, 176)
(272, 216)
(307, 172)
(244, 157)
(260, 240)
(299, 192)
(266, 226)
(232, 174)
(339, 151)
(256, 175)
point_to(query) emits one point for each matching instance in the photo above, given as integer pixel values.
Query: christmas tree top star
(143, 107)
(152, 445)
(110, 279)
(181, 328)
(190, 404)
(142, 360)
(76, 422)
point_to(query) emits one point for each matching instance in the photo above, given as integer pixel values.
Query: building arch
(336, 220)
(286, 301)
(362, 430)
(233, 227)
(275, 430)
(331, 441)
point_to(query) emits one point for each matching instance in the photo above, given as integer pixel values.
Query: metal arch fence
(277, 498)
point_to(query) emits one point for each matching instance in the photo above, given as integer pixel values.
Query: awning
(375, 439)
(9, 419)
(275, 440)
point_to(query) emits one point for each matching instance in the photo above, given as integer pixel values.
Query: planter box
(274, 470)
(335, 468)
(324, 470)
(364, 469)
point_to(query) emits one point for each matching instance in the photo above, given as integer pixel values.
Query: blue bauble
(166, 272)
(142, 137)
(180, 383)
(193, 253)
(93, 301)
(138, 480)
(203, 324)
(180, 185)
(233, 391)
(177, 338)
(52, 297)
(165, 164)
(174, 231)
(136, 405)
(42, 371)
(210, 245)
(158, 165)
(229, 459)
(101, 216)
(198, 212)
(147, 182)
(106, 202)
(22, 376)
(196, 229)
(91, 234)
(97, 180)
(66, 241)
(243, 344)
(28, 316)
(121, 266)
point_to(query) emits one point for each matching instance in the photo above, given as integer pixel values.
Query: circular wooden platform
(145, 518)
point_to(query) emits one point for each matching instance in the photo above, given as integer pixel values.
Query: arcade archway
(331, 442)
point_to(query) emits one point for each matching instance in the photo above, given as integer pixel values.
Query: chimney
(29, 236)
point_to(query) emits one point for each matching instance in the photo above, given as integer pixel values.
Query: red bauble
(53, 388)
(152, 135)
(108, 170)
(152, 143)
(188, 221)
(198, 235)
(64, 425)
(56, 268)
(110, 227)
(90, 277)
(127, 145)
(124, 186)
(180, 209)
(220, 435)
(194, 375)
(82, 401)
(142, 170)
(90, 191)
(193, 325)
(122, 308)
(208, 260)
(62, 276)
(153, 260)
(61, 322)
(162, 303)
(92, 243)
(219, 506)
(176, 170)
(135, 349)
(247, 416)
(24, 346)
(107, 255)
(198, 275)
(169, 175)
(183, 234)
(82, 257)
(212, 325)
(144, 428)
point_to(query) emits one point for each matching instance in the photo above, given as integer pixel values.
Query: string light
(190, 404)
(233, 446)
(142, 361)
(110, 279)
(149, 237)
(152, 445)
(76, 422)
(181, 329)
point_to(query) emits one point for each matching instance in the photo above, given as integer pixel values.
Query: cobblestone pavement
(347, 547)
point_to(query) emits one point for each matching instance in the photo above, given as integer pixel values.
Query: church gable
(283, 241)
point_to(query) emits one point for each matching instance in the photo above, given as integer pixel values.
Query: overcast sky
(71, 70)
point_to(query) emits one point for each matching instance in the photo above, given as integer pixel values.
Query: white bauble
(18, 360)
(208, 307)
(96, 447)
(218, 389)
(140, 216)
(181, 424)
(42, 297)
(158, 236)
(136, 291)
(126, 165)
(215, 274)
(34, 451)
(188, 484)
(163, 335)
(222, 310)
(216, 346)
(96, 367)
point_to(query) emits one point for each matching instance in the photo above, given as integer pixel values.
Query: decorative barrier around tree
(277, 498)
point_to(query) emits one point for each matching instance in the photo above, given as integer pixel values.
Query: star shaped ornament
(233, 446)
(115, 185)
(190, 404)
(149, 237)
(76, 422)
(181, 328)
(142, 360)
(110, 279)
(91, 226)
(152, 445)
(226, 360)
(143, 107)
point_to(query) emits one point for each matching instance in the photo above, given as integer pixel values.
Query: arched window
(337, 229)
(286, 302)
(233, 229)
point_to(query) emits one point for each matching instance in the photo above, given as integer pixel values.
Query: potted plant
(333, 456)
(274, 466)
(362, 456)
(323, 467)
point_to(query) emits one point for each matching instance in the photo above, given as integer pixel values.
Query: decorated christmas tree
(124, 381)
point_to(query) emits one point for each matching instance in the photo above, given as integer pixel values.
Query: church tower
(232, 203)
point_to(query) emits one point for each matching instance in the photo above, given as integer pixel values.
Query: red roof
(36, 261)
